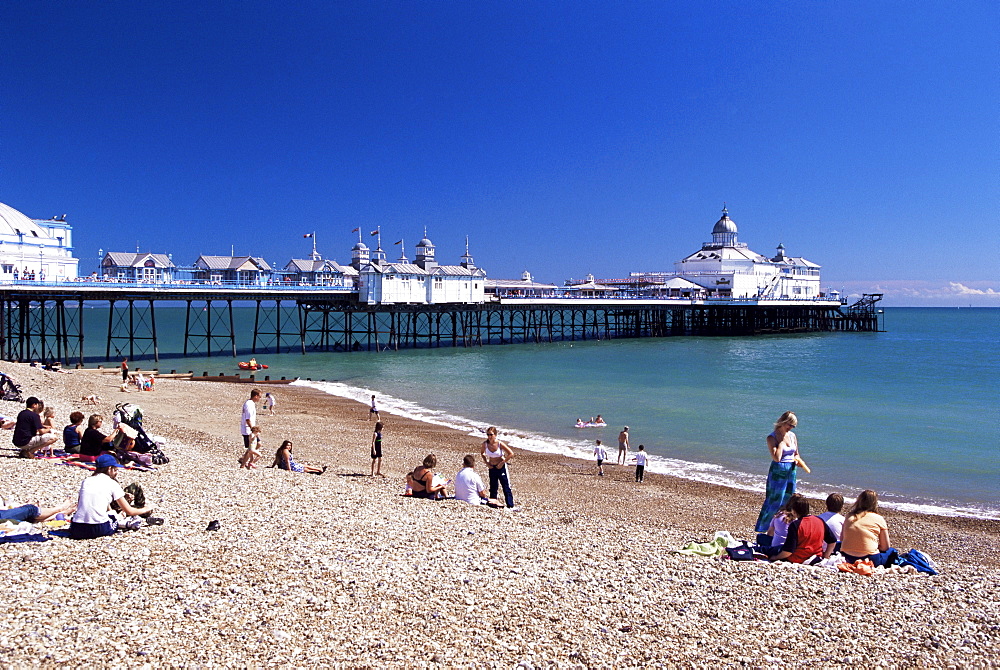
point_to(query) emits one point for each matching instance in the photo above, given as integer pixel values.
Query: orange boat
(244, 365)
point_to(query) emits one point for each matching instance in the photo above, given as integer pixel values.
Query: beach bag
(741, 553)
(919, 560)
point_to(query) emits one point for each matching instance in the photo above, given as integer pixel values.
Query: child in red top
(806, 536)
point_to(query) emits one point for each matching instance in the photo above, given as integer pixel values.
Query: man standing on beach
(623, 446)
(29, 434)
(249, 419)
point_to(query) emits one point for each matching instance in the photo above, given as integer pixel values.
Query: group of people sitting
(798, 536)
(469, 487)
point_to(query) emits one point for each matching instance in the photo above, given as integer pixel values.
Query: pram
(9, 389)
(131, 416)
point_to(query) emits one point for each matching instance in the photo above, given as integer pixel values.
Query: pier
(45, 323)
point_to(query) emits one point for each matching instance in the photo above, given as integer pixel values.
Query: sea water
(911, 412)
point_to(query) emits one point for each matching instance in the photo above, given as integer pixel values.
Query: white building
(35, 249)
(727, 268)
(421, 282)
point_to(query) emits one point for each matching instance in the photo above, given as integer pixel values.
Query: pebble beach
(341, 570)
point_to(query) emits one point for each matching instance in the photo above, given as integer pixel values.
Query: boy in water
(640, 463)
(601, 454)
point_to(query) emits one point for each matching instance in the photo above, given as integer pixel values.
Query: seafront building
(724, 268)
(423, 281)
(35, 249)
(137, 267)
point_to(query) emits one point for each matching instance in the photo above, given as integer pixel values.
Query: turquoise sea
(911, 412)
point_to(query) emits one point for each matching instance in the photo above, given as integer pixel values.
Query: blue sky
(561, 137)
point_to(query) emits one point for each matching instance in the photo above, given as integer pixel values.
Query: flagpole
(314, 245)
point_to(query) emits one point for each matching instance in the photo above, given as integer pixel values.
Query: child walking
(269, 403)
(640, 463)
(377, 450)
(601, 454)
(250, 457)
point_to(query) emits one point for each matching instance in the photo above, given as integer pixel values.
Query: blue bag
(919, 560)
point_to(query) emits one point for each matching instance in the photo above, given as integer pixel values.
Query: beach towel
(919, 560)
(715, 547)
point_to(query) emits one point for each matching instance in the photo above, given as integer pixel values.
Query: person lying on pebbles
(36, 514)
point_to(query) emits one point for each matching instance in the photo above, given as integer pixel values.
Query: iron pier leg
(111, 314)
(79, 326)
(152, 322)
(256, 321)
(232, 328)
(187, 324)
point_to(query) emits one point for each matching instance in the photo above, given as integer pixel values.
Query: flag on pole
(400, 242)
(374, 232)
(308, 235)
(356, 230)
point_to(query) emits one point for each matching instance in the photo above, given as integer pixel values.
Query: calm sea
(911, 412)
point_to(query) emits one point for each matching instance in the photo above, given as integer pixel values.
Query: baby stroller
(131, 416)
(9, 389)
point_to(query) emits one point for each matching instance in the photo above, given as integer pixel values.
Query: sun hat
(107, 461)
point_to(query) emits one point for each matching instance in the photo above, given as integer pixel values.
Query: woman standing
(784, 448)
(377, 450)
(865, 533)
(496, 454)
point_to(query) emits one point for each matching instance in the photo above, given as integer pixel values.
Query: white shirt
(468, 485)
(834, 521)
(96, 494)
(249, 414)
(600, 453)
(269, 400)
(640, 458)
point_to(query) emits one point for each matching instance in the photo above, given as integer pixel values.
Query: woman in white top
(496, 454)
(784, 449)
(97, 492)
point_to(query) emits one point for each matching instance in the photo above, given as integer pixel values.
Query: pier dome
(724, 232)
(13, 222)
(360, 246)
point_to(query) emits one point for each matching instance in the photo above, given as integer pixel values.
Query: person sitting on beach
(73, 433)
(770, 543)
(421, 480)
(90, 399)
(284, 461)
(807, 537)
(34, 513)
(252, 454)
(832, 516)
(496, 454)
(866, 534)
(7, 424)
(30, 436)
(140, 380)
(97, 493)
(49, 423)
(468, 486)
(94, 442)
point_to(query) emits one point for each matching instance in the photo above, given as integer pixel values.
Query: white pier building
(35, 249)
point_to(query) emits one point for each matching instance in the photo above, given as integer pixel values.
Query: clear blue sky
(562, 137)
